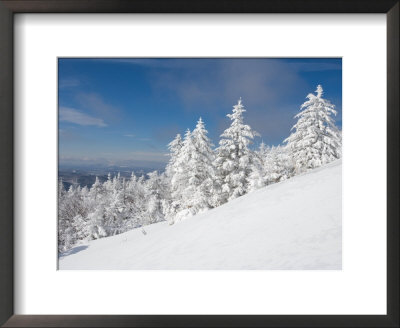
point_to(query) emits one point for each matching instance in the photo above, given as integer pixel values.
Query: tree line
(198, 176)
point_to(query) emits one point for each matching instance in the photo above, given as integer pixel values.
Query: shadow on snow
(74, 250)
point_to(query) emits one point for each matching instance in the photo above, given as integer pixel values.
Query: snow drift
(294, 224)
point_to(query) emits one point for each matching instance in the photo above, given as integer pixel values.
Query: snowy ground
(295, 224)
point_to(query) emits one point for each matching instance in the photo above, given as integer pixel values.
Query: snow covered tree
(316, 140)
(234, 158)
(63, 220)
(155, 190)
(136, 203)
(180, 181)
(259, 171)
(271, 165)
(170, 209)
(61, 189)
(108, 184)
(278, 164)
(174, 147)
(97, 200)
(73, 209)
(200, 191)
(97, 189)
(115, 216)
(192, 175)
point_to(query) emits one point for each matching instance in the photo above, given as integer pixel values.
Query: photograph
(199, 163)
(221, 164)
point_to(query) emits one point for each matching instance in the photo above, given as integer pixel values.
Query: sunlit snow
(294, 224)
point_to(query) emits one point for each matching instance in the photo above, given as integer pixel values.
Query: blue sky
(125, 111)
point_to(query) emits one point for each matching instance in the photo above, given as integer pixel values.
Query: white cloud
(134, 136)
(68, 83)
(206, 82)
(94, 103)
(72, 115)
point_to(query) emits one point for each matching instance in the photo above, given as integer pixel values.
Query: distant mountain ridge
(86, 176)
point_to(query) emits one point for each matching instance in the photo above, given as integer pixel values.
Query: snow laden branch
(316, 140)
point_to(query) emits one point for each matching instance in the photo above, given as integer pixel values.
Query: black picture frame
(10, 7)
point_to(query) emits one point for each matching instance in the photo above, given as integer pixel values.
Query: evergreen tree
(170, 209)
(181, 178)
(155, 191)
(316, 140)
(234, 158)
(136, 202)
(201, 187)
(174, 147)
(72, 210)
(115, 209)
(63, 223)
(278, 164)
(97, 189)
(259, 174)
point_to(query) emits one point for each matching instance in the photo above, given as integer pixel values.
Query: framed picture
(191, 169)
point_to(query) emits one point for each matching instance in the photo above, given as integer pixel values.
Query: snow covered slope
(295, 224)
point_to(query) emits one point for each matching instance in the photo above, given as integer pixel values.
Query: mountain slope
(295, 224)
